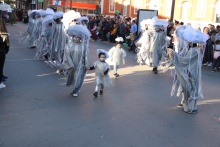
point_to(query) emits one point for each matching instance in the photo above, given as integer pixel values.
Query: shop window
(91, 11)
(185, 9)
(217, 12)
(125, 11)
(168, 6)
(201, 9)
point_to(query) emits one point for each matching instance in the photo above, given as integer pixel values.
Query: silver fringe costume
(158, 44)
(77, 58)
(58, 41)
(100, 68)
(43, 44)
(143, 55)
(117, 57)
(187, 80)
(29, 33)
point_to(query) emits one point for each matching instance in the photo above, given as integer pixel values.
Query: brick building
(192, 11)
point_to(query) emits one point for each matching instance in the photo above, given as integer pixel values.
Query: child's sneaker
(101, 92)
(116, 75)
(95, 94)
(2, 85)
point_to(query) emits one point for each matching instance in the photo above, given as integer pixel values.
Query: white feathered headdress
(46, 12)
(144, 22)
(83, 18)
(188, 33)
(80, 31)
(159, 22)
(47, 20)
(119, 39)
(57, 15)
(103, 51)
(69, 16)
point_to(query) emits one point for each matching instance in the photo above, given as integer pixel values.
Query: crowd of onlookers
(109, 28)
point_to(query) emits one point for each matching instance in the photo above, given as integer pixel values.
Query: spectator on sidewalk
(216, 56)
(122, 29)
(133, 30)
(4, 48)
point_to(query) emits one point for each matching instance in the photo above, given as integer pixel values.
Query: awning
(83, 6)
(74, 5)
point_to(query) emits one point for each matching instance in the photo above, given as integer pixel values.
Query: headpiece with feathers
(80, 31)
(103, 51)
(57, 15)
(83, 18)
(46, 12)
(119, 40)
(69, 17)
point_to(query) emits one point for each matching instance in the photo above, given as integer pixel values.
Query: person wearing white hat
(102, 68)
(77, 56)
(158, 41)
(117, 55)
(29, 33)
(143, 44)
(58, 39)
(187, 79)
(44, 39)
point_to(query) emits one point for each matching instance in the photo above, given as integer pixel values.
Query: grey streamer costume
(57, 47)
(100, 68)
(77, 58)
(188, 78)
(143, 55)
(36, 31)
(42, 45)
(158, 45)
(29, 33)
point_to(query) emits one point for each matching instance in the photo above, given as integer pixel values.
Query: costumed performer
(77, 56)
(117, 55)
(187, 79)
(102, 68)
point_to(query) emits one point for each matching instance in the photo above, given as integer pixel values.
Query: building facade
(192, 11)
(85, 7)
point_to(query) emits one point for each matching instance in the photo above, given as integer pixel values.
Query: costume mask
(102, 58)
(76, 39)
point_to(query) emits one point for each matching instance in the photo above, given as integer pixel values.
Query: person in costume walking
(77, 56)
(101, 68)
(117, 55)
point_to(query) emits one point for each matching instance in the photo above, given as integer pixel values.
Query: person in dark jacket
(4, 48)
(122, 27)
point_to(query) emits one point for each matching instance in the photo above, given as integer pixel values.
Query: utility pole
(172, 10)
(71, 4)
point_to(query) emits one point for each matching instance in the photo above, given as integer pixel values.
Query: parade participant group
(62, 40)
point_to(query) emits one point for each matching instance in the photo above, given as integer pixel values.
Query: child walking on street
(117, 55)
(101, 72)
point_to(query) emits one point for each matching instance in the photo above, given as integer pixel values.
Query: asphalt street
(37, 109)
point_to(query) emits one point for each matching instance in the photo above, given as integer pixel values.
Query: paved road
(37, 110)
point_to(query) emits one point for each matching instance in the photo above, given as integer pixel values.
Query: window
(137, 6)
(91, 11)
(168, 6)
(112, 6)
(201, 8)
(185, 9)
(217, 12)
(154, 4)
(125, 11)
